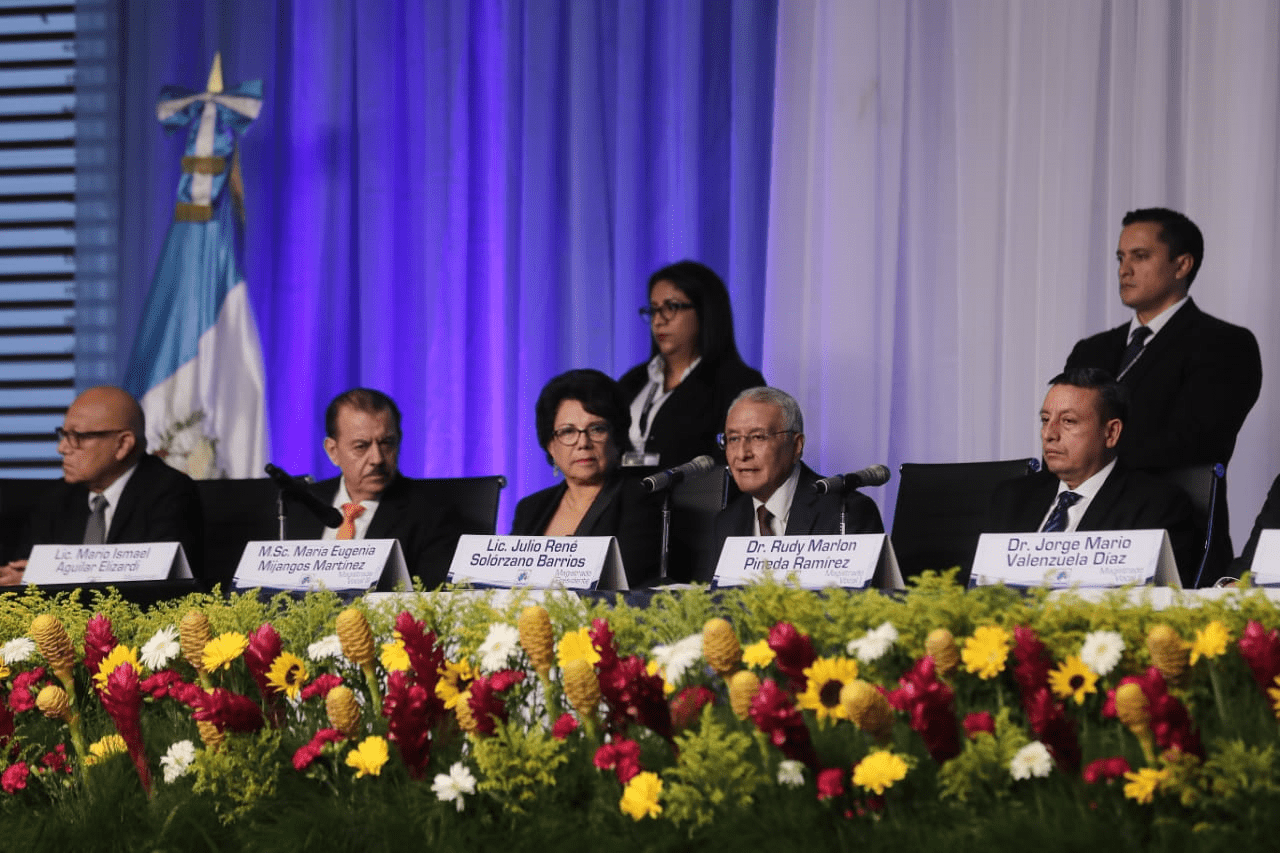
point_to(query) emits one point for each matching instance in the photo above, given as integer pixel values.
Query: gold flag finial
(215, 75)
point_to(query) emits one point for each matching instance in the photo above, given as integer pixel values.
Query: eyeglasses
(74, 438)
(752, 440)
(667, 310)
(568, 435)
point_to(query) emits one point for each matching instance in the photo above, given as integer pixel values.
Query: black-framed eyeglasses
(667, 310)
(752, 440)
(568, 435)
(74, 437)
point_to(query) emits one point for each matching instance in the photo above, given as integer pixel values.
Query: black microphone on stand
(872, 475)
(674, 476)
(297, 488)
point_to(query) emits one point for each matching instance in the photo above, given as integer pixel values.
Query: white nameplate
(543, 562)
(853, 562)
(306, 564)
(1092, 559)
(118, 563)
(1266, 559)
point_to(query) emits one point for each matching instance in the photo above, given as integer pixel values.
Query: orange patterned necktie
(350, 512)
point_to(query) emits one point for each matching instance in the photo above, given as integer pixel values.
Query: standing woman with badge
(680, 396)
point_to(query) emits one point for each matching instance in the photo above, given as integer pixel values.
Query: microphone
(674, 476)
(872, 475)
(297, 487)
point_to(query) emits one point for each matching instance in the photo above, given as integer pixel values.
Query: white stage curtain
(948, 183)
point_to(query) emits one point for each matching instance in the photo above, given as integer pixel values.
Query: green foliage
(516, 764)
(242, 775)
(982, 767)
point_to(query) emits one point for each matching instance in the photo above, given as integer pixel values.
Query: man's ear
(125, 443)
(331, 449)
(1111, 431)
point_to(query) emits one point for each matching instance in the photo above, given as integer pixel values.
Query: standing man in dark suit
(362, 429)
(1192, 378)
(1083, 485)
(763, 441)
(113, 491)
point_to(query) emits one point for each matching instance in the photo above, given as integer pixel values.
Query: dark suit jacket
(1128, 500)
(1268, 519)
(811, 514)
(158, 504)
(687, 423)
(622, 509)
(428, 532)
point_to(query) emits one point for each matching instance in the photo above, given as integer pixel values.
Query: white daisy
(324, 648)
(1101, 651)
(1032, 760)
(451, 786)
(161, 648)
(177, 761)
(502, 642)
(17, 650)
(791, 773)
(874, 644)
(676, 659)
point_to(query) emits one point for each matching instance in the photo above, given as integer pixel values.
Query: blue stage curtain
(454, 200)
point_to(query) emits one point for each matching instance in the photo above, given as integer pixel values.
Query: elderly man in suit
(763, 440)
(1083, 485)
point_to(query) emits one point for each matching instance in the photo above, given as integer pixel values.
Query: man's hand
(11, 574)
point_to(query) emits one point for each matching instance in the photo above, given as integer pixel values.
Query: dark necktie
(1134, 349)
(766, 521)
(95, 529)
(1058, 518)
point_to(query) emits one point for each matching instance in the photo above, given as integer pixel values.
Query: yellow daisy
(368, 757)
(455, 681)
(1142, 784)
(118, 655)
(879, 770)
(1210, 642)
(1274, 693)
(394, 657)
(105, 748)
(287, 674)
(223, 649)
(986, 651)
(576, 645)
(640, 797)
(827, 677)
(758, 655)
(1073, 679)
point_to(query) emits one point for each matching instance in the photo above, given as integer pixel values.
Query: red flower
(425, 656)
(264, 647)
(565, 726)
(774, 713)
(122, 699)
(25, 688)
(1261, 650)
(1170, 723)
(57, 760)
(1049, 721)
(161, 684)
(229, 711)
(982, 721)
(14, 778)
(620, 756)
(320, 686)
(633, 695)
(1033, 662)
(930, 704)
(602, 642)
(1106, 770)
(98, 642)
(687, 706)
(411, 714)
(793, 654)
(191, 695)
(487, 706)
(311, 750)
(830, 783)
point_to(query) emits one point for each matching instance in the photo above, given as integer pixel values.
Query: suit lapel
(804, 510)
(1171, 337)
(1042, 496)
(1100, 509)
(128, 502)
(390, 503)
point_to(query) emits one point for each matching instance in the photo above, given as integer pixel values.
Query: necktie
(1133, 350)
(350, 512)
(95, 530)
(766, 521)
(1058, 518)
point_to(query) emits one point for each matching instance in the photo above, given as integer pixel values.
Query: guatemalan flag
(197, 361)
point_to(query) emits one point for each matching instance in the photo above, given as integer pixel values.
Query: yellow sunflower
(986, 651)
(105, 748)
(223, 649)
(1210, 642)
(455, 681)
(827, 677)
(287, 674)
(118, 655)
(394, 657)
(1073, 679)
(758, 655)
(576, 645)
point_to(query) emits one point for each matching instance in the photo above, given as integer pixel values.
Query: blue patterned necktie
(1058, 518)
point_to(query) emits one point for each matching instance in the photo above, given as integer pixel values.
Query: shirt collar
(658, 366)
(343, 496)
(779, 503)
(1156, 323)
(112, 492)
(1089, 488)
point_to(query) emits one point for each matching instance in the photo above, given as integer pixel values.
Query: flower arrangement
(943, 718)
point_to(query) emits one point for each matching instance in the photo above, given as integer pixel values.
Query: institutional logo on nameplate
(853, 562)
(542, 562)
(306, 564)
(1094, 559)
(1266, 559)
(49, 565)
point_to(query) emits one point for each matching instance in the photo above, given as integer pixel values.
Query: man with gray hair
(763, 440)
